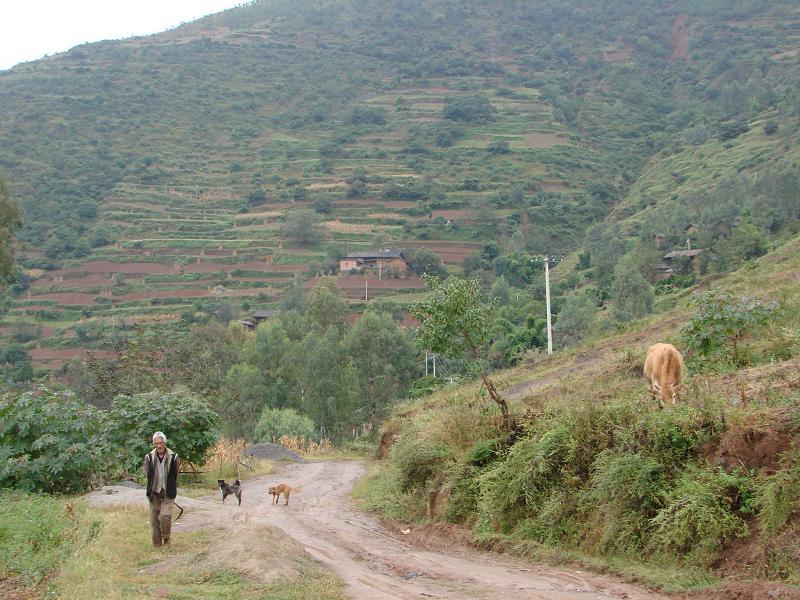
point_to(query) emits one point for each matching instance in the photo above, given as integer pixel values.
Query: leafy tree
(188, 422)
(455, 320)
(721, 321)
(423, 260)
(632, 296)
(575, 320)
(469, 108)
(381, 356)
(276, 422)
(241, 400)
(303, 226)
(327, 307)
(48, 442)
(17, 361)
(10, 221)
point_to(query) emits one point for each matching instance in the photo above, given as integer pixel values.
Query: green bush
(276, 422)
(515, 486)
(721, 322)
(778, 495)
(555, 522)
(48, 442)
(627, 489)
(702, 515)
(188, 422)
(420, 461)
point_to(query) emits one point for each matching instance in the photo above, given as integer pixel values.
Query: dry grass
(339, 227)
(307, 448)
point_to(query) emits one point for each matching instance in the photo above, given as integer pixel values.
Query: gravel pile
(273, 452)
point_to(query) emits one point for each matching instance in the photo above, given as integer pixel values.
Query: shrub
(778, 496)
(420, 461)
(188, 422)
(722, 321)
(48, 442)
(515, 487)
(702, 514)
(628, 489)
(277, 422)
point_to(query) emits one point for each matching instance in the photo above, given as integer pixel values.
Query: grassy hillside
(159, 175)
(679, 498)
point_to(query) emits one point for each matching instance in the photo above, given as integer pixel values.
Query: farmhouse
(383, 262)
(678, 261)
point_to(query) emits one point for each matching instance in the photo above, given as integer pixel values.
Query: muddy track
(376, 563)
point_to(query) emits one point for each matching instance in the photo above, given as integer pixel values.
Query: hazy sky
(29, 29)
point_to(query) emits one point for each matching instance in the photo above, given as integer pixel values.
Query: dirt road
(373, 562)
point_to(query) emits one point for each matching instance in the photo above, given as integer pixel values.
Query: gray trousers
(161, 518)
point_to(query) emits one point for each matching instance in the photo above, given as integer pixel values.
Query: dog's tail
(296, 489)
(238, 482)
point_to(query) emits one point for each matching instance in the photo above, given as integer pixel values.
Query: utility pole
(547, 302)
(434, 366)
(426, 363)
(380, 269)
(366, 289)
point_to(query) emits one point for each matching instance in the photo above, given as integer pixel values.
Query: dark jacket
(173, 466)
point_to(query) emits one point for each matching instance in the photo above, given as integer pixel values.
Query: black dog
(230, 488)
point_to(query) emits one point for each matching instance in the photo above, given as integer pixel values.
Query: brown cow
(663, 367)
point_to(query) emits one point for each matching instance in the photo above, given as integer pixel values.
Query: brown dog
(282, 488)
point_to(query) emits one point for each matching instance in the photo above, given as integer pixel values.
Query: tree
(423, 260)
(276, 422)
(49, 442)
(188, 422)
(632, 296)
(574, 321)
(454, 320)
(10, 221)
(327, 307)
(303, 226)
(382, 358)
(469, 108)
(241, 400)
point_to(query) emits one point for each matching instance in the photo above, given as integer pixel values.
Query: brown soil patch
(553, 186)
(248, 266)
(541, 140)
(327, 186)
(617, 55)
(462, 214)
(67, 298)
(755, 446)
(98, 279)
(339, 227)
(53, 358)
(787, 54)
(680, 38)
(356, 282)
(747, 591)
(104, 266)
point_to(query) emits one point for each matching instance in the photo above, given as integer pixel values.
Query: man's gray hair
(159, 434)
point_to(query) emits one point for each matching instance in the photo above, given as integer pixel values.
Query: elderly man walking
(161, 465)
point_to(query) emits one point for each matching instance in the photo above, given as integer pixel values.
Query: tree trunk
(500, 401)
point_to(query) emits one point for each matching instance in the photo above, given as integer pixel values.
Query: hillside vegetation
(677, 497)
(215, 166)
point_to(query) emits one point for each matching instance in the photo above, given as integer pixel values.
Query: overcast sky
(30, 29)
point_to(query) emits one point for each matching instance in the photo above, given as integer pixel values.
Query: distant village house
(378, 262)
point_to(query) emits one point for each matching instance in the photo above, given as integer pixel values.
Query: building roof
(677, 253)
(374, 254)
(264, 314)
